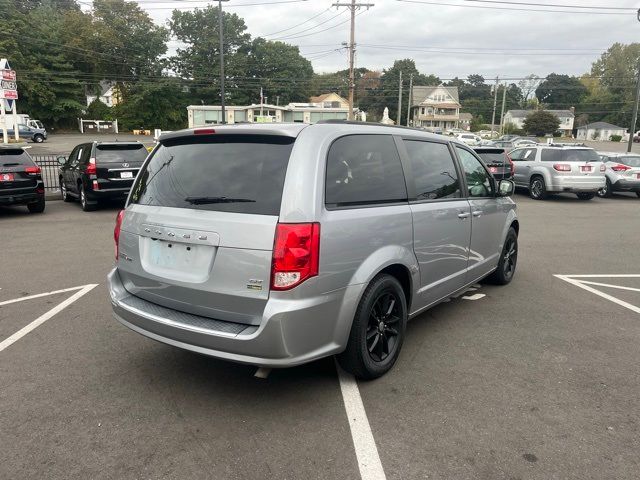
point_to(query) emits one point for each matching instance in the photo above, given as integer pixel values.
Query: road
(535, 380)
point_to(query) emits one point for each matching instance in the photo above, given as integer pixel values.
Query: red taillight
(204, 131)
(620, 168)
(96, 185)
(116, 230)
(32, 170)
(296, 254)
(91, 168)
(562, 167)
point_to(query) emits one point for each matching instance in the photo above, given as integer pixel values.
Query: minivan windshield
(569, 155)
(226, 173)
(121, 153)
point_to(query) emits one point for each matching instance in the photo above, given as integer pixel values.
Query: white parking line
(30, 297)
(46, 316)
(573, 279)
(363, 442)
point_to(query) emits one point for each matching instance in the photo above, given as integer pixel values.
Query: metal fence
(49, 166)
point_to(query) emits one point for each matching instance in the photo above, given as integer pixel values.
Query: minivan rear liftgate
(198, 236)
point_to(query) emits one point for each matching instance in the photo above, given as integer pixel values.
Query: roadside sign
(9, 75)
(9, 94)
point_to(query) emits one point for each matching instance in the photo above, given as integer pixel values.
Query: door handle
(477, 213)
(462, 216)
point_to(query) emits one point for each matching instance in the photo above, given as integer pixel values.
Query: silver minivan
(279, 244)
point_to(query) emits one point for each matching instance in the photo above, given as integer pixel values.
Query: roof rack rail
(368, 124)
(565, 144)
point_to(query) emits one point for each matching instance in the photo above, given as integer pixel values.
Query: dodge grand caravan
(275, 245)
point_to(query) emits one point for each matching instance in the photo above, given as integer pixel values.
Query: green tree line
(62, 54)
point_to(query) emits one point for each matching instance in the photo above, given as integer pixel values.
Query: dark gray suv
(279, 244)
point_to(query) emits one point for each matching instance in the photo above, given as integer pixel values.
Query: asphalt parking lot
(536, 380)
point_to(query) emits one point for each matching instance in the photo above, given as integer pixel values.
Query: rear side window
(10, 157)
(362, 170)
(433, 170)
(631, 161)
(493, 157)
(120, 153)
(224, 173)
(571, 155)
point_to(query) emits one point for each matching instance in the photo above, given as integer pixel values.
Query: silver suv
(622, 172)
(545, 169)
(275, 245)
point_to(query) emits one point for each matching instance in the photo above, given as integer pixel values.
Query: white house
(435, 107)
(566, 118)
(108, 94)
(200, 115)
(599, 131)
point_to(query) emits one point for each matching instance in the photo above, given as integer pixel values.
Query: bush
(615, 138)
(541, 122)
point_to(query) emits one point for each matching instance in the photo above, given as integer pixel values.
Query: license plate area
(126, 174)
(7, 177)
(179, 261)
(585, 168)
(493, 169)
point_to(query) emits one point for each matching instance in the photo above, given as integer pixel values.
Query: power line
(553, 5)
(298, 25)
(429, 2)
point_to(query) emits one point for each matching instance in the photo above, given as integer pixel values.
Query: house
(566, 118)
(109, 94)
(200, 115)
(330, 100)
(465, 121)
(435, 107)
(599, 131)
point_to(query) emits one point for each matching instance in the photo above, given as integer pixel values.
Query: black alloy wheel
(382, 333)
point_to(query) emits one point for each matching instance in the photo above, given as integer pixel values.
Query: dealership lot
(538, 379)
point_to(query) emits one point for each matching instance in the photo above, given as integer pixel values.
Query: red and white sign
(9, 75)
(9, 94)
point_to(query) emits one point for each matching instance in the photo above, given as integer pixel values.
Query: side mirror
(61, 160)
(506, 188)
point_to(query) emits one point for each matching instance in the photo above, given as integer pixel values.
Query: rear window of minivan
(14, 156)
(225, 173)
(120, 153)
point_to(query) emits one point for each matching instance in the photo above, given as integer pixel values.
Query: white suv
(545, 169)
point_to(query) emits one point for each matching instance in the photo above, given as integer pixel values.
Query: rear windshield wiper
(208, 200)
(10, 164)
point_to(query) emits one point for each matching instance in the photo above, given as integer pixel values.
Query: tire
(585, 196)
(605, 192)
(64, 192)
(537, 188)
(508, 260)
(373, 329)
(38, 138)
(84, 203)
(37, 207)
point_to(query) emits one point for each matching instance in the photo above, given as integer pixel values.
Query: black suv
(20, 180)
(497, 161)
(100, 171)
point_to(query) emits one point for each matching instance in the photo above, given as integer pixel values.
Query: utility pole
(495, 103)
(632, 130)
(399, 99)
(410, 101)
(353, 6)
(504, 99)
(224, 115)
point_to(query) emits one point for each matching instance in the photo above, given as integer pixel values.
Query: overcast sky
(442, 38)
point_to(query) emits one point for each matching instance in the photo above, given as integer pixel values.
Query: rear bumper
(626, 185)
(108, 193)
(292, 332)
(577, 184)
(20, 198)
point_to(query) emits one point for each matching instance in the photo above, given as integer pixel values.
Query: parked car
(507, 138)
(469, 138)
(100, 171)
(522, 142)
(544, 169)
(276, 245)
(20, 180)
(622, 173)
(37, 135)
(497, 161)
(504, 144)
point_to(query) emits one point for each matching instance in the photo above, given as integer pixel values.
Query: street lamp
(224, 115)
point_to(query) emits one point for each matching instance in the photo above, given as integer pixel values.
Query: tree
(98, 111)
(561, 91)
(279, 69)
(528, 87)
(540, 123)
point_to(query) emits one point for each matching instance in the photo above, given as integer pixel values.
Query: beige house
(330, 100)
(435, 107)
